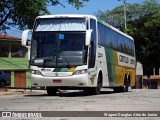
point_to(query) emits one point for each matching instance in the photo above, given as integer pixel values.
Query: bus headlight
(77, 72)
(36, 72)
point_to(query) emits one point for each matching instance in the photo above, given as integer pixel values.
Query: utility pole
(125, 18)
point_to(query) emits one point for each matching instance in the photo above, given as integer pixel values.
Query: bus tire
(87, 91)
(124, 88)
(126, 85)
(51, 91)
(97, 90)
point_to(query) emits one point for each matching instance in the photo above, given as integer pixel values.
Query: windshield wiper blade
(51, 61)
(66, 60)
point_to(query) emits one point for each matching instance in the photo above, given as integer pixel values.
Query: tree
(115, 17)
(146, 31)
(22, 13)
(143, 24)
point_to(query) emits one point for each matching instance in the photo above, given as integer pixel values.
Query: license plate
(57, 81)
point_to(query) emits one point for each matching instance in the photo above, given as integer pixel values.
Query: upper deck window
(61, 24)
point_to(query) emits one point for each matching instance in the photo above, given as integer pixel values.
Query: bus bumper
(67, 81)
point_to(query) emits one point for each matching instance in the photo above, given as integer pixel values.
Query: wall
(12, 63)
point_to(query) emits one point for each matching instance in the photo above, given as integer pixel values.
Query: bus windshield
(61, 24)
(58, 49)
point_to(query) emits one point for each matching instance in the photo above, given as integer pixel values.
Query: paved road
(135, 100)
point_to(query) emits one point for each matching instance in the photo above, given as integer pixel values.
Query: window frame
(18, 47)
(7, 52)
(113, 41)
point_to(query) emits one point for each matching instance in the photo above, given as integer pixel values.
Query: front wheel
(95, 90)
(51, 91)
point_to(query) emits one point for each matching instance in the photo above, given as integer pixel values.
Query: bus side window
(92, 50)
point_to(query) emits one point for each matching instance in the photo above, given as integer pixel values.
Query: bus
(80, 52)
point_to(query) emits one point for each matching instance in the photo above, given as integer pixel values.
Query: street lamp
(125, 18)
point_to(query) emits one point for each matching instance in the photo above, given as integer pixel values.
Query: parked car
(5, 79)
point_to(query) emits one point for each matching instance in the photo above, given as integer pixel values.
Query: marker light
(36, 72)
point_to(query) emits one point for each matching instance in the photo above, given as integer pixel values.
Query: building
(139, 76)
(147, 77)
(151, 77)
(14, 60)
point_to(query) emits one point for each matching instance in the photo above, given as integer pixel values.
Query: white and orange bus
(80, 52)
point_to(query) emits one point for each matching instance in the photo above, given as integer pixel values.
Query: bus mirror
(88, 37)
(25, 37)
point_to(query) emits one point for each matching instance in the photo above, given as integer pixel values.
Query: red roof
(2, 36)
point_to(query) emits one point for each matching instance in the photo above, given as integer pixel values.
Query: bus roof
(67, 15)
(84, 16)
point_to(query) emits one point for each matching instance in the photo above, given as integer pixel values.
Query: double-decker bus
(80, 52)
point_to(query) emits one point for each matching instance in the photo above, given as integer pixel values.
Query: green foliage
(114, 17)
(146, 32)
(77, 3)
(143, 24)
(22, 13)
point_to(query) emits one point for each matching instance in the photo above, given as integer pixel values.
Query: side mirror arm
(25, 37)
(88, 37)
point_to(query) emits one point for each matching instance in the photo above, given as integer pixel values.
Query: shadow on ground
(69, 94)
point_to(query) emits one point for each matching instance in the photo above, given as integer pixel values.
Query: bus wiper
(66, 60)
(48, 59)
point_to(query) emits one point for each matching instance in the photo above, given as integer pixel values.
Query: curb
(10, 91)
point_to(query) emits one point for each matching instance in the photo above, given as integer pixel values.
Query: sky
(91, 7)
